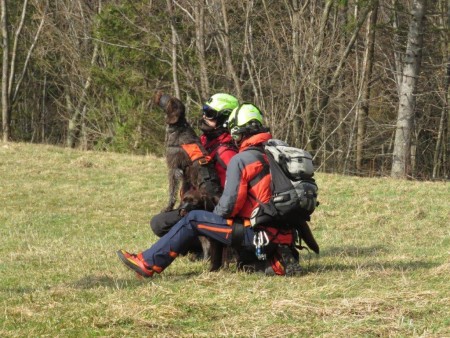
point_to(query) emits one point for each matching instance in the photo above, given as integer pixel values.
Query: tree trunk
(446, 133)
(440, 148)
(9, 79)
(293, 109)
(363, 111)
(331, 80)
(77, 122)
(12, 68)
(398, 68)
(176, 84)
(72, 127)
(401, 162)
(248, 51)
(228, 55)
(344, 81)
(5, 63)
(310, 91)
(200, 43)
(43, 110)
(337, 72)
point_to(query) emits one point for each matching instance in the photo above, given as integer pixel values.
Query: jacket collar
(225, 137)
(255, 140)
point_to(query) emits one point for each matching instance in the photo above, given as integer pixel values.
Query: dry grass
(383, 270)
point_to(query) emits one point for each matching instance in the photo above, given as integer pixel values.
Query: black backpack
(294, 189)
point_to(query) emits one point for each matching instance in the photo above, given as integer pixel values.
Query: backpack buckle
(260, 240)
(203, 161)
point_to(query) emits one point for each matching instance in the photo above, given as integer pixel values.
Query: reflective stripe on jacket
(246, 173)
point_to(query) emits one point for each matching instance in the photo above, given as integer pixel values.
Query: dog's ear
(157, 97)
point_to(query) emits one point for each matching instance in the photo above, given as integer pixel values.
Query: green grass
(383, 270)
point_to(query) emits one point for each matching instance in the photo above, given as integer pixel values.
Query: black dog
(200, 186)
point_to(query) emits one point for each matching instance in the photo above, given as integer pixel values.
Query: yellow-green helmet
(219, 105)
(243, 119)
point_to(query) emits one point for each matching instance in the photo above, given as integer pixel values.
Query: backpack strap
(260, 149)
(217, 158)
(237, 234)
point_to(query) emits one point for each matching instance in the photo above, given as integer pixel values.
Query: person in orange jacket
(247, 182)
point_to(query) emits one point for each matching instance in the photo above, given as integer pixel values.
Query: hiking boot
(269, 271)
(290, 262)
(135, 263)
(283, 263)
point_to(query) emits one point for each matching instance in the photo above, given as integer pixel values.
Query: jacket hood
(255, 140)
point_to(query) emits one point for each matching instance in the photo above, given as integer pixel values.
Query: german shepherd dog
(195, 193)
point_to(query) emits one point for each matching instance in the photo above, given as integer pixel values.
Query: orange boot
(135, 263)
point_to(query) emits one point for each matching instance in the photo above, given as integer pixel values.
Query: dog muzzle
(163, 101)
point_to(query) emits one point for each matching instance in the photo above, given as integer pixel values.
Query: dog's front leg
(206, 246)
(174, 180)
(216, 253)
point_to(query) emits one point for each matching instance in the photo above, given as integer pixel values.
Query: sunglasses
(209, 113)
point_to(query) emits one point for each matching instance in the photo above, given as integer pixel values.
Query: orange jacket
(246, 174)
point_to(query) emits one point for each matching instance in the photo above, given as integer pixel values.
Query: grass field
(383, 271)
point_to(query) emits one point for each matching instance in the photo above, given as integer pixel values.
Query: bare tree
(225, 39)
(440, 152)
(174, 49)
(77, 88)
(199, 10)
(363, 109)
(296, 81)
(314, 80)
(11, 83)
(306, 64)
(5, 66)
(401, 165)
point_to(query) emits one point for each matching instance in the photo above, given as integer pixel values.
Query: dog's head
(192, 200)
(174, 108)
(196, 200)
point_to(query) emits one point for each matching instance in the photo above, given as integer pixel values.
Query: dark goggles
(209, 113)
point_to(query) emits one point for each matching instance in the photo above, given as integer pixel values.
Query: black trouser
(163, 222)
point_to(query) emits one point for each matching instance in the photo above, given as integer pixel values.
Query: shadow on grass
(372, 266)
(19, 290)
(95, 281)
(358, 258)
(354, 251)
(350, 261)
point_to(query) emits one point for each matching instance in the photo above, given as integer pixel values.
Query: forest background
(363, 85)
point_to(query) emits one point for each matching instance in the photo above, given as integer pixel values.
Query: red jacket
(247, 177)
(221, 149)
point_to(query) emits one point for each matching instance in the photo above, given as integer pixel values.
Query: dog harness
(207, 173)
(196, 154)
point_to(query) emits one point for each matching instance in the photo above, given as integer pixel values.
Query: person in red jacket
(247, 182)
(217, 141)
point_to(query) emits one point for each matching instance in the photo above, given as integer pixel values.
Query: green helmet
(246, 118)
(219, 105)
(243, 114)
